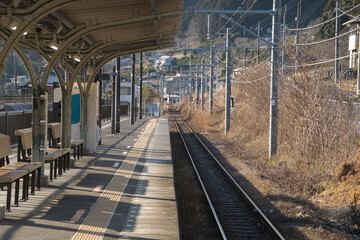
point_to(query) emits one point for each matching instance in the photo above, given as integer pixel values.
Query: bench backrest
(26, 137)
(5, 149)
(55, 129)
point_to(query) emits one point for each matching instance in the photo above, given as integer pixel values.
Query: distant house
(353, 40)
(164, 63)
(153, 58)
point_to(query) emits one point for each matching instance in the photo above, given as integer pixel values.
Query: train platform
(124, 191)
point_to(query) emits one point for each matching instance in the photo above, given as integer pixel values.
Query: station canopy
(97, 27)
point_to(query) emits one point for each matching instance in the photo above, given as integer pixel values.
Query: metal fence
(21, 98)
(10, 121)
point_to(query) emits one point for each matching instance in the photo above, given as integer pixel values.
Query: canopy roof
(100, 28)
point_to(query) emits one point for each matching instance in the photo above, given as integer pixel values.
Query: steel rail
(269, 224)
(201, 183)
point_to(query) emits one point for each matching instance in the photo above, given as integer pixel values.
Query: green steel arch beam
(44, 7)
(86, 30)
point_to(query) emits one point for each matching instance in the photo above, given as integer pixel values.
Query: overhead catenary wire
(327, 21)
(325, 40)
(350, 15)
(253, 81)
(323, 62)
(308, 13)
(251, 59)
(241, 19)
(222, 27)
(252, 68)
(267, 19)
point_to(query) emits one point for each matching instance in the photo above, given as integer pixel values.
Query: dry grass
(317, 128)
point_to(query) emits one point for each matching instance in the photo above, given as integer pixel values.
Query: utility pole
(337, 26)
(196, 90)
(258, 44)
(283, 41)
(132, 102)
(211, 90)
(190, 82)
(358, 69)
(245, 49)
(118, 86)
(113, 103)
(228, 83)
(276, 22)
(297, 35)
(141, 79)
(203, 85)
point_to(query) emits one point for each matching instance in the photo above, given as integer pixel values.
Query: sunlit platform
(125, 191)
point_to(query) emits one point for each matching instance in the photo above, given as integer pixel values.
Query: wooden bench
(31, 168)
(7, 177)
(15, 171)
(54, 133)
(5, 149)
(58, 158)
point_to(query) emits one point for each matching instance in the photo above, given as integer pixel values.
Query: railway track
(236, 215)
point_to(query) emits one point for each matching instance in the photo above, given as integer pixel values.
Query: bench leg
(68, 161)
(38, 180)
(8, 197)
(82, 149)
(56, 162)
(32, 192)
(74, 152)
(63, 164)
(78, 151)
(51, 170)
(24, 188)
(17, 189)
(7, 160)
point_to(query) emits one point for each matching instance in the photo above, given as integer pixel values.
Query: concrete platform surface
(125, 191)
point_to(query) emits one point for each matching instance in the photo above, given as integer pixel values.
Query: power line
(219, 30)
(323, 62)
(255, 67)
(320, 24)
(253, 81)
(325, 40)
(251, 59)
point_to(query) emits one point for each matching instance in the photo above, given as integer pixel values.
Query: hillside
(197, 24)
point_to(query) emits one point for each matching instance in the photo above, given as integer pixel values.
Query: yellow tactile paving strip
(96, 222)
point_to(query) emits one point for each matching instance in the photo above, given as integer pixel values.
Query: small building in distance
(353, 40)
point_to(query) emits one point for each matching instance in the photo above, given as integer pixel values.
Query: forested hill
(197, 24)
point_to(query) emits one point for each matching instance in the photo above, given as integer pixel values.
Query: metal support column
(113, 103)
(203, 85)
(297, 35)
(140, 88)
(276, 22)
(132, 102)
(211, 90)
(228, 83)
(283, 65)
(190, 82)
(100, 97)
(337, 28)
(197, 90)
(118, 86)
(358, 70)
(258, 44)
